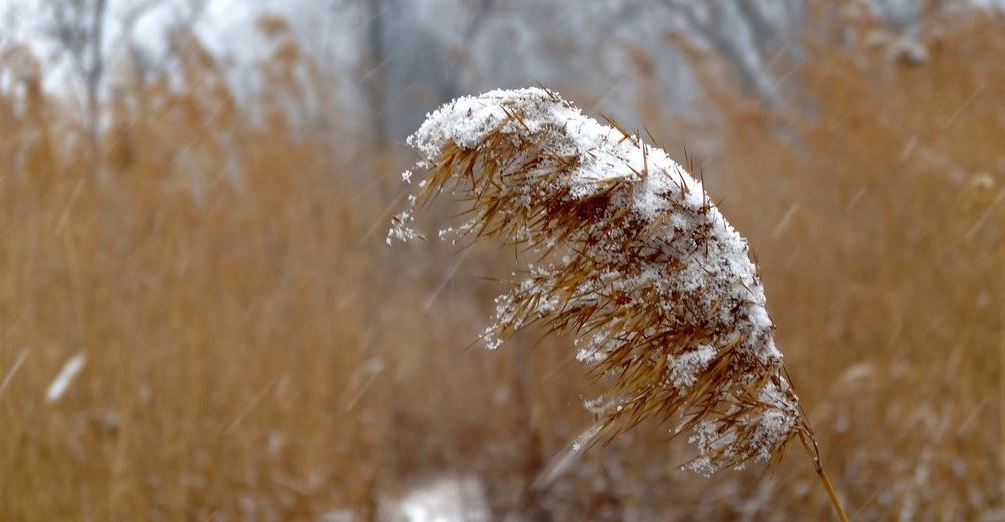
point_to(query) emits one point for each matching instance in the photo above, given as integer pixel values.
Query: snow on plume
(625, 251)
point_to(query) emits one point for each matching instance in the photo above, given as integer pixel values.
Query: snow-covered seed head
(624, 251)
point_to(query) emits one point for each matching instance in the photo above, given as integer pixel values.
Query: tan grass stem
(1001, 369)
(831, 493)
(813, 450)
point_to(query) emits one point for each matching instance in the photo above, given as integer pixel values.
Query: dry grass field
(255, 352)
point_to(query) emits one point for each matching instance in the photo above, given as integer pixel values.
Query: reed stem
(809, 441)
(830, 492)
(1001, 375)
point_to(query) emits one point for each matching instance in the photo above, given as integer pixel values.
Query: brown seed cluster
(624, 251)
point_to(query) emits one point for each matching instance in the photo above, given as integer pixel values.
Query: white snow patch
(684, 369)
(65, 378)
(445, 499)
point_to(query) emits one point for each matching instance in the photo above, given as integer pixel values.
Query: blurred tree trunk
(79, 27)
(713, 28)
(482, 11)
(96, 68)
(373, 78)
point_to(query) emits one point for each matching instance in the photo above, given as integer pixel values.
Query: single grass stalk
(1001, 369)
(623, 250)
(831, 493)
(813, 450)
(13, 370)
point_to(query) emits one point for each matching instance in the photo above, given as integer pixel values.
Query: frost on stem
(624, 251)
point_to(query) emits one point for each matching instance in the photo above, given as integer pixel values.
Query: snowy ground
(444, 499)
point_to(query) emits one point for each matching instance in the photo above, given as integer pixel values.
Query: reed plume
(624, 250)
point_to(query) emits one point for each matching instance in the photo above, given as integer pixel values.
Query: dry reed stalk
(624, 250)
(1001, 370)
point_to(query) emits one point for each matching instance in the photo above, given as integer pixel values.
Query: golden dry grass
(254, 352)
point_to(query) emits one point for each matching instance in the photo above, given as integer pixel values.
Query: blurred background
(200, 321)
